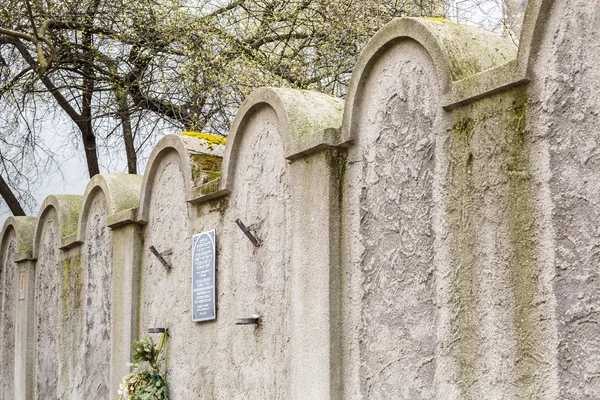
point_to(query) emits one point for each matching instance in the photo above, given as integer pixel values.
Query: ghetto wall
(435, 235)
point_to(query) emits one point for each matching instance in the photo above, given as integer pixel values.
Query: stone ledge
(484, 84)
(313, 143)
(24, 256)
(122, 218)
(208, 191)
(70, 241)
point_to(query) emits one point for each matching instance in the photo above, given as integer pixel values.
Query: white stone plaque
(203, 276)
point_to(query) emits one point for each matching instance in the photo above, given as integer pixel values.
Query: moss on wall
(460, 209)
(71, 287)
(337, 160)
(219, 205)
(523, 266)
(205, 168)
(504, 116)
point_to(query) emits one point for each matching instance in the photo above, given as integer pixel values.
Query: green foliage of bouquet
(145, 381)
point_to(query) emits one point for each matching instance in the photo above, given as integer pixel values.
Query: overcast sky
(73, 176)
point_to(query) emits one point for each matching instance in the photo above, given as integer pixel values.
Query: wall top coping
(121, 192)
(67, 209)
(24, 228)
(300, 114)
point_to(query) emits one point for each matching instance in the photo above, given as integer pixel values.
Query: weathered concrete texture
(24, 367)
(126, 255)
(301, 115)
(16, 324)
(254, 362)
(469, 50)
(97, 273)
(9, 281)
(565, 101)
(503, 328)
(48, 307)
(393, 191)
(71, 359)
(438, 241)
(314, 279)
(165, 296)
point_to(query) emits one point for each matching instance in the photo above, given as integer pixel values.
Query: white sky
(73, 177)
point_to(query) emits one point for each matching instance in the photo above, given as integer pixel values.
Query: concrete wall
(565, 136)
(96, 259)
(433, 236)
(393, 165)
(10, 280)
(48, 307)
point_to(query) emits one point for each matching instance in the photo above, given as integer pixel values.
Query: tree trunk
(10, 198)
(83, 120)
(89, 145)
(85, 123)
(124, 114)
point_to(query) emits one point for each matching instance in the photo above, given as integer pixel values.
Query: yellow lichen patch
(205, 168)
(211, 139)
(440, 19)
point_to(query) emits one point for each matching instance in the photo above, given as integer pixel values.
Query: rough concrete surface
(565, 119)
(503, 327)
(254, 280)
(48, 308)
(398, 313)
(435, 237)
(165, 297)
(97, 272)
(9, 281)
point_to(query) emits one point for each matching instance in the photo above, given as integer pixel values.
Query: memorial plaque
(203, 276)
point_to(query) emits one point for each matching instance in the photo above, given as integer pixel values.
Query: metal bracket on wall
(255, 241)
(158, 330)
(254, 320)
(160, 257)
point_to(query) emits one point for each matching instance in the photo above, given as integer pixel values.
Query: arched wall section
(165, 295)
(255, 280)
(96, 274)
(67, 208)
(57, 297)
(201, 168)
(48, 308)
(390, 206)
(8, 300)
(165, 149)
(250, 280)
(300, 115)
(459, 53)
(24, 229)
(442, 206)
(16, 242)
(564, 125)
(176, 165)
(121, 193)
